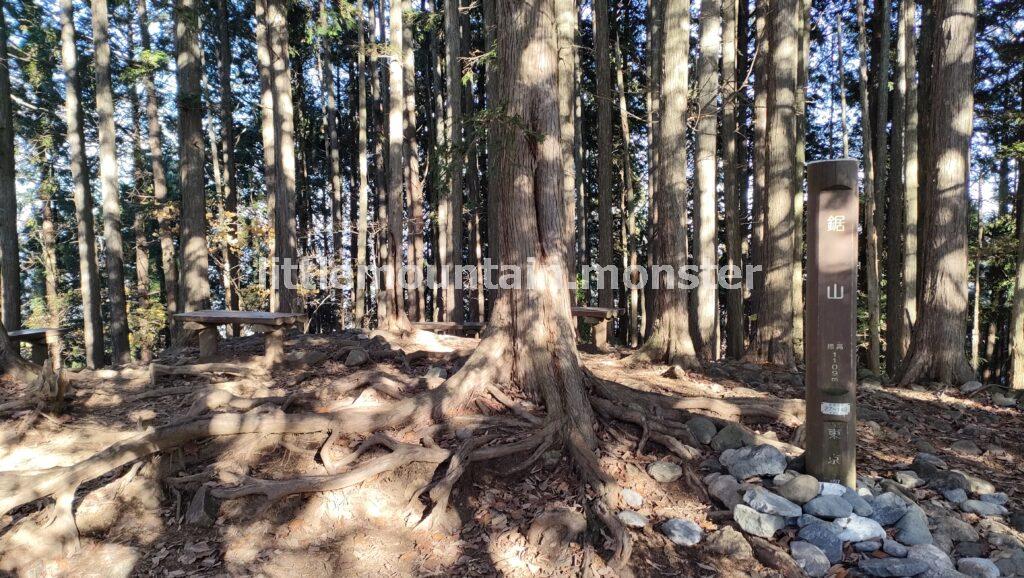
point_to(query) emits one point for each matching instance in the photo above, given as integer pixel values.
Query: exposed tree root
(553, 531)
(157, 370)
(775, 558)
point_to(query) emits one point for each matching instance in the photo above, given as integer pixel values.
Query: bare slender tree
(870, 225)
(10, 270)
(734, 188)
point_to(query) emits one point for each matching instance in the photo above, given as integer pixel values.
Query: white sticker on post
(835, 408)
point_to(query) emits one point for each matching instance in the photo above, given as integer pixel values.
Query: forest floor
(137, 519)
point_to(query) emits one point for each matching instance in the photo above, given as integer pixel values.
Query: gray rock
(867, 547)
(861, 507)
(956, 529)
(889, 508)
(682, 532)
(976, 485)
(1017, 521)
(664, 472)
(437, 373)
(632, 498)
(753, 522)
(825, 536)
(807, 520)
(1010, 562)
(956, 496)
(800, 489)
(970, 550)
(939, 564)
(983, 508)
(978, 567)
(633, 519)
(726, 490)
(731, 437)
(858, 529)
(891, 567)
(356, 357)
(966, 447)
(912, 529)
(810, 558)
(927, 463)
(831, 489)
(768, 503)
(894, 548)
(828, 507)
(748, 462)
(729, 543)
(999, 535)
(909, 479)
(702, 428)
(971, 387)
(999, 498)
(943, 481)
(1002, 400)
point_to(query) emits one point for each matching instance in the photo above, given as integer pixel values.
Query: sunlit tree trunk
(605, 164)
(705, 194)
(414, 182)
(566, 16)
(937, 347)
(1017, 320)
(10, 269)
(453, 202)
(227, 153)
(362, 210)
(773, 341)
(802, 124)
(74, 118)
(870, 226)
(140, 221)
(630, 202)
(880, 108)
(333, 139)
(109, 185)
(757, 234)
(670, 340)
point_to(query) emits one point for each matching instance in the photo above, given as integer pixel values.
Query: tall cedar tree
(10, 271)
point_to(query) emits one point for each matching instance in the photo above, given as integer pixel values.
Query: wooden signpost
(831, 380)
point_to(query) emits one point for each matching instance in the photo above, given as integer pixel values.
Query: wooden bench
(597, 318)
(40, 339)
(467, 328)
(272, 325)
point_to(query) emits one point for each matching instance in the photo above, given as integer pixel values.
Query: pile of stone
(927, 521)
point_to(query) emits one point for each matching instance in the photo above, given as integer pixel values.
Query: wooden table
(598, 318)
(40, 339)
(272, 325)
(469, 327)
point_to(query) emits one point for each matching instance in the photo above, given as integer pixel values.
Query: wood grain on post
(831, 377)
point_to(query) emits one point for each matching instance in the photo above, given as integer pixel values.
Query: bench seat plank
(212, 317)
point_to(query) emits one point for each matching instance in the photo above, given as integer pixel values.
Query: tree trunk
(757, 233)
(333, 139)
(880, 108)
(414, 183)
(870, 226)
(734, 188)
(670, 341)
(976, 317)
(74, 115)
(841, 65)
(227, 141)
(362, 218)
(630, 202)
(454, 310)
(566, 14)
(109, 185)
(195, 283)
(11, 363)
(937, 347)
(140, 219)
(379, 99)
(802, 74)
(1017, 322)
(605, 163)
(392, 296)
(10, 268)
(705, 194)
(164, 209)
(773, 342)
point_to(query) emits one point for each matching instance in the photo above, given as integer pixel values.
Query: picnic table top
(220, 317)
(448, 325)
(596, 312)
(35, 333)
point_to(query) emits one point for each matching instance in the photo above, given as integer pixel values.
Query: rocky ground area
(939, 491)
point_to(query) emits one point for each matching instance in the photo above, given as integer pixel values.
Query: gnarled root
(552, 531)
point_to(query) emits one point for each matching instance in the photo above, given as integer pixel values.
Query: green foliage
(148, 62)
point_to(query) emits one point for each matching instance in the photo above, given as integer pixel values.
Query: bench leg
(208, 338)
(39, 352)
(274, 341)
(600, 331)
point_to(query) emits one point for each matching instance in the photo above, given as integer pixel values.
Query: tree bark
(392, 296)
(734, 188)
(802, 74)
(74, 115)
(567, 22)
(870, 226)
(454, 310)
(705, 194)
(757, 217)
(109, 185)
(605, 163)
(670, 341)
(630, 203)
(333, 139)
(880, 108)
(414, 182)
(363, 208)
(1017, 321)
(773, 342)
(937, 347)
(227, 142)
(10, 269)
